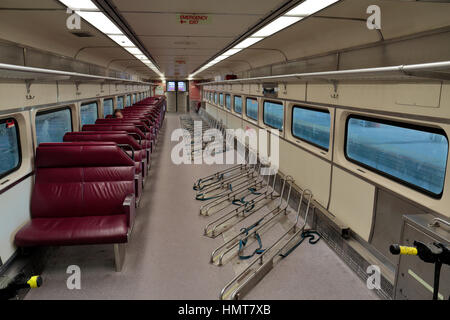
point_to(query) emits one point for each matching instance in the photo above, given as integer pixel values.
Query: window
(237, 104)
(228, 101)
(108, 107)
(89, 113)
(10, 153)
(52, 125)
(221, 99)
(119, 102)
(274, 114)
(312, 125)
(252, 108)
(128, 100)
(134, 98)
(215, 97)
(412, 155)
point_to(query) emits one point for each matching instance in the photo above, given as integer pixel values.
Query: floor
(168, 256)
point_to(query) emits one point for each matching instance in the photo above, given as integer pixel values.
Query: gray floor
(167, 257)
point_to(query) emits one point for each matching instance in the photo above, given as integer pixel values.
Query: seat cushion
(73, 231)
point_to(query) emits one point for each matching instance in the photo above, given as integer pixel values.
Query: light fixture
(100, 21)
(304, 9)
(309, 7)
(275, 26)
(90, 12)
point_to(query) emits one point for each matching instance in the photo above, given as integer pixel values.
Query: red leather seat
(130, 128)
(124, 140)
(83, 194)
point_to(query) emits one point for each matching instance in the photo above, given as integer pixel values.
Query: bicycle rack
(242, 212)
(266, 221)
(228, 184)
(198, 185)
(256, 270)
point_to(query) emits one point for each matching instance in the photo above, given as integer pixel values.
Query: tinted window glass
(228, 101)
(215, 98)
(52, 126)
(252, 108)
(238, 104)
(9, 146)
(274, 114)
(134, 98)
(120, 103)
(312, 126)
(221, 99)
(108, 107)
(128, 101)
(89, 113)
(415, 155)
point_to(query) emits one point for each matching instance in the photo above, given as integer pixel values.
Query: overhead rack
(10, 72)
(434, 71)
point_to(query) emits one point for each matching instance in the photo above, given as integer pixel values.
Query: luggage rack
(282, 247)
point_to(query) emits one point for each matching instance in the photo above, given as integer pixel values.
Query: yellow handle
(411, 251)
(35, 282)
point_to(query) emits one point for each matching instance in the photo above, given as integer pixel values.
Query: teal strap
(198, 185)
(249, 205)
(243, 243)
(312, 236)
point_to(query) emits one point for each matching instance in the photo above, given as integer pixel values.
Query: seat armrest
(129, 207)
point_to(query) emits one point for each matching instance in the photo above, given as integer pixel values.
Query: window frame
(405, 125)
(106, 99)
(234, 104)
(307, 141)
(38, 113)
(264, 107)
(19, 147)
(226, 107)
(246, 108)
(87, 103)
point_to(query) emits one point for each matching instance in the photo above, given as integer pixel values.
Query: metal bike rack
(256, 270)
(229, 183)
(239, 190)
(241, 213)
(215, 177)
(266, 221)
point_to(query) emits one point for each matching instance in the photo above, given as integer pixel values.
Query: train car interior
(224, 150)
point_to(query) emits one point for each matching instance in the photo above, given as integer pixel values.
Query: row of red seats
(87, 188)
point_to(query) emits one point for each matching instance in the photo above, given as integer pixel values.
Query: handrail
(400, 70)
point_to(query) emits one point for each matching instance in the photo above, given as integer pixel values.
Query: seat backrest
(114, 127)
(78, 179)
(119, 137)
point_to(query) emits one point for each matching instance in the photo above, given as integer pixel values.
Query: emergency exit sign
(193, 19)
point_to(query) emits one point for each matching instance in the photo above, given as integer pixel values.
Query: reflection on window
(89, 113)
(221, 99)
(215, 97)
(9, 146)
(238, 104)
(415, 155)
(120, 103)
(52, 126)
(228, 101)
(128, 101)
(274, 114)
(312, 126)
(108, 107)
(134, 98)
(252, 108)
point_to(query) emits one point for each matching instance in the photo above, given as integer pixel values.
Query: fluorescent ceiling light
(100, 21)
(79, 4)
(141, 56)
(122, 40)
(275, 26)
(231, 52)
(133, 50)
(247, 43)
(310, 7)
